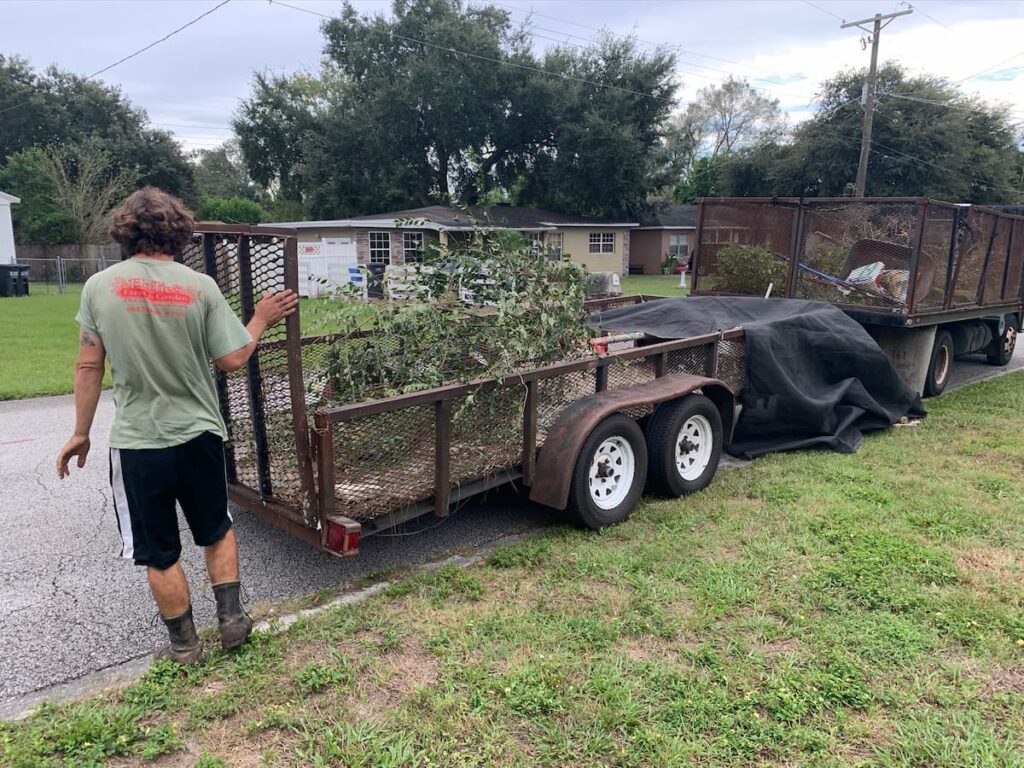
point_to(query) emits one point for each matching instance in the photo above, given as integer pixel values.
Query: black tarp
(815, 377)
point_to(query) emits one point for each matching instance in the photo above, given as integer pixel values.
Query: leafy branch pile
(482, 308)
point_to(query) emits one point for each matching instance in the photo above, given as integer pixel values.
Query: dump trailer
(929, 280)
(587, 434)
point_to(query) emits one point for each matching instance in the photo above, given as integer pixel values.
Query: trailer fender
(557, 457)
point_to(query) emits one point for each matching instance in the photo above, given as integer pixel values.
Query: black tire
(940, 366)
(664, 433)
(1002, 347)
(581, 500)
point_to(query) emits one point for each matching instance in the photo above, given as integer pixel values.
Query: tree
(604, 158)
(234, 210)
(401, 117)
(38, 219)
(703, 180)
(66, 192)
(734, 115)
(84, 187)
(61, 109)
(221, 172)
(928, 139)
(273, 125)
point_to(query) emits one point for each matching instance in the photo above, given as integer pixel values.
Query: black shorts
(148, 481)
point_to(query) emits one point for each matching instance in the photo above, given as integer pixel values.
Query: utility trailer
(929, 280)
(587, 434)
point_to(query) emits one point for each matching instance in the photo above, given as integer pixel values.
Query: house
(6, 228)
(400, 237)
(671, 232)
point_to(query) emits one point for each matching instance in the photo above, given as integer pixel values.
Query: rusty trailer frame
(395, 458)
(962, 261)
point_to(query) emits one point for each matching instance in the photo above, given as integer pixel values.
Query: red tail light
(341, 536)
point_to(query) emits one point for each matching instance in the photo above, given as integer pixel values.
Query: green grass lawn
(653, 285)
(810, 609)
(40, 344)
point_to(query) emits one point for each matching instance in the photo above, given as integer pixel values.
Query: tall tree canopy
(221, 172)
(58, 108)
(928, 139)
(67, 142)
(444, 102)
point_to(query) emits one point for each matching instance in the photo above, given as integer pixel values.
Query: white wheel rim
(942, 366)
(694, 443)
(612, 469)
(1011, 341)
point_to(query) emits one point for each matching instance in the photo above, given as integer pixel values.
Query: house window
(380, 247)
(678, 248)
(556, 241)
(534, 242)
(602, 242)
(412, 243)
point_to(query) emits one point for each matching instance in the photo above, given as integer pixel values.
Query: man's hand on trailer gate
(274, 306)
(78, 446)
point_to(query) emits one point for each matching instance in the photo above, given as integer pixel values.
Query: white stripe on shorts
(124, 518)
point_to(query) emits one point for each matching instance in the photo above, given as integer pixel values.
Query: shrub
(233, 210)
(749, 269)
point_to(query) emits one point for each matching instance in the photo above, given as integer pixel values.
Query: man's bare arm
(88, 386)
(269, 310)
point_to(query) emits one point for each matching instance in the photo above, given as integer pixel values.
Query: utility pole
(869, 106)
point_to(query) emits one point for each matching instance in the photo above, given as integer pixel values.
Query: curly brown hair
(151, 221)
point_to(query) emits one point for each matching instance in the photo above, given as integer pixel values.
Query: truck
(929, 280)
(586, 434)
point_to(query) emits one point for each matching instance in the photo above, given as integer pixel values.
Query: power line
(157, 42)
(918, 8)
(934, 102)
(136, 53)
(490, 59)
(817, 7)
(672, 46)
(987, 69)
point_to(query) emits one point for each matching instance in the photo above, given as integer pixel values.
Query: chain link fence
(63, 269)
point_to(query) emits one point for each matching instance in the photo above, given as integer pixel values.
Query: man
(161, 324)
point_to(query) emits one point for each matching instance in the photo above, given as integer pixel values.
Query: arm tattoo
(87, 339)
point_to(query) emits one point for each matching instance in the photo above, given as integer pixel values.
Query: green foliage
(701, 181)
(234, 210)
(524, 311)
(58, 108)
(317, 676)
(273, 125)
(38, 219)
(207, 760)
(748, 270)
(968, 147)
(220, 172)
(880, 570)
(390, 123)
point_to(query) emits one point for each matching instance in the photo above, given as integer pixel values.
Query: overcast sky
(191, 83)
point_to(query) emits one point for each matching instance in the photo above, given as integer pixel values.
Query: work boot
(235, 624)
(185, 646)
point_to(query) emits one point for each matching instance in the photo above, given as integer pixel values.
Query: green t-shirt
(161, 324)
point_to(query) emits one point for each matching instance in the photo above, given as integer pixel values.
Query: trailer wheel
(1002, 347)
(940, 366)
(684, 445)
(609, 474)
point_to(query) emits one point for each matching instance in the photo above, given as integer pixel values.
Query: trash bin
(375, 283)
(13, 280)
